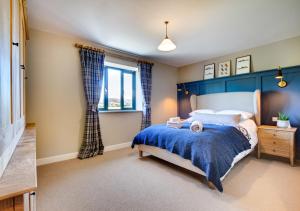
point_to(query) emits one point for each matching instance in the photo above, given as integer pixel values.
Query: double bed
(213, 152)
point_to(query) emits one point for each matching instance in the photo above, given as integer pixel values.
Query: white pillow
(217, 119)
(202, 111)
(244, 114)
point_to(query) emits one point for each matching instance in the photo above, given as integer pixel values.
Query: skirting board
(68, 156)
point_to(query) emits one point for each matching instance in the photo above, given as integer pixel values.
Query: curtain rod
(77, 45)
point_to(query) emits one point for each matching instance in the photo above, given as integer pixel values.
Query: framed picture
(243, 65)
(209, 71)
(224, 69)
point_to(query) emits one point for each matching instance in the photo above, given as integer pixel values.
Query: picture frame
(243, 65)
(224, 69)
(209, 71)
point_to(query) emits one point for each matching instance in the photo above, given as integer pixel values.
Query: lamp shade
(279, 74)
(166, 45)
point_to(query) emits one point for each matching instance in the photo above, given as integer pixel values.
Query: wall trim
(73, 155)
(117, 146)
(56, 158)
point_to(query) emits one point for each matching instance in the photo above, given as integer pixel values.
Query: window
(118, 89)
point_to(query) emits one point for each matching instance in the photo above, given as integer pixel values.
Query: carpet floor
(119, 180)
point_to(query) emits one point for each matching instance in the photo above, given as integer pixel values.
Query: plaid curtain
(92, 64)
(146, 81)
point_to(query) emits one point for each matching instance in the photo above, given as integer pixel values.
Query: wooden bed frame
(245, 101)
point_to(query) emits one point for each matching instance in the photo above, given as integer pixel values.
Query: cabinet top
(20, 175)
(271, 127)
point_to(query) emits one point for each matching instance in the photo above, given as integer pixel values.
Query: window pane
(101, 102)
(127, 90)
(114, 89)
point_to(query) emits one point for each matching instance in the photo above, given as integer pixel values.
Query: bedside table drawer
(271, 134)
(276, 143)
(274, 150)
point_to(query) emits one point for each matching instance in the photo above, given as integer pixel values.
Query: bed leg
(211, 185)
(140, 153)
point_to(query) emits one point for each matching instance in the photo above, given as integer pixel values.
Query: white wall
(55, 99)
(283, 53)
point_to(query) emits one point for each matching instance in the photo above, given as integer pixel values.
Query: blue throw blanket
(212, 150)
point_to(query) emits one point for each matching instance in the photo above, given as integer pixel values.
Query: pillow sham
(217, 119)
(202, 111)
(244, 114)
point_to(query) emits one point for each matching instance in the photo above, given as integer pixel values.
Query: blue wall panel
(241, 84)
(208, 88)
(274, 99)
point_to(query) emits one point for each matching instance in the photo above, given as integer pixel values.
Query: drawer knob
(274, 150)
(274, 142)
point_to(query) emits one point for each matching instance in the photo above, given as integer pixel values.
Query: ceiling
(201, 29)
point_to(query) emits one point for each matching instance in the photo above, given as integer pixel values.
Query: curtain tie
(147, 109)
(93, 107)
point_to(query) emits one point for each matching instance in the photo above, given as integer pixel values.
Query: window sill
(120, 111)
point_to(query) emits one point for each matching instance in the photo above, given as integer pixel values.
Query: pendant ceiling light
(166, 44)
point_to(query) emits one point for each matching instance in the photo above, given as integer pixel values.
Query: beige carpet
(119, 180)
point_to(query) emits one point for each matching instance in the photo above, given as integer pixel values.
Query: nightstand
(277, 141)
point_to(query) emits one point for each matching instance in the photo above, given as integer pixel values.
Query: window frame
(105, 78)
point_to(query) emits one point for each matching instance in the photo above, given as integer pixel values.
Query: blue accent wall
(274, 99)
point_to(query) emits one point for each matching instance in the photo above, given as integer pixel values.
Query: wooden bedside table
(277, 141)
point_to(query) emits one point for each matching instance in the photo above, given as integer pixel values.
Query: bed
(212, 159)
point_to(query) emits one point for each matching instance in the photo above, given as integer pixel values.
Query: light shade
(166, 45)
(279, 74)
